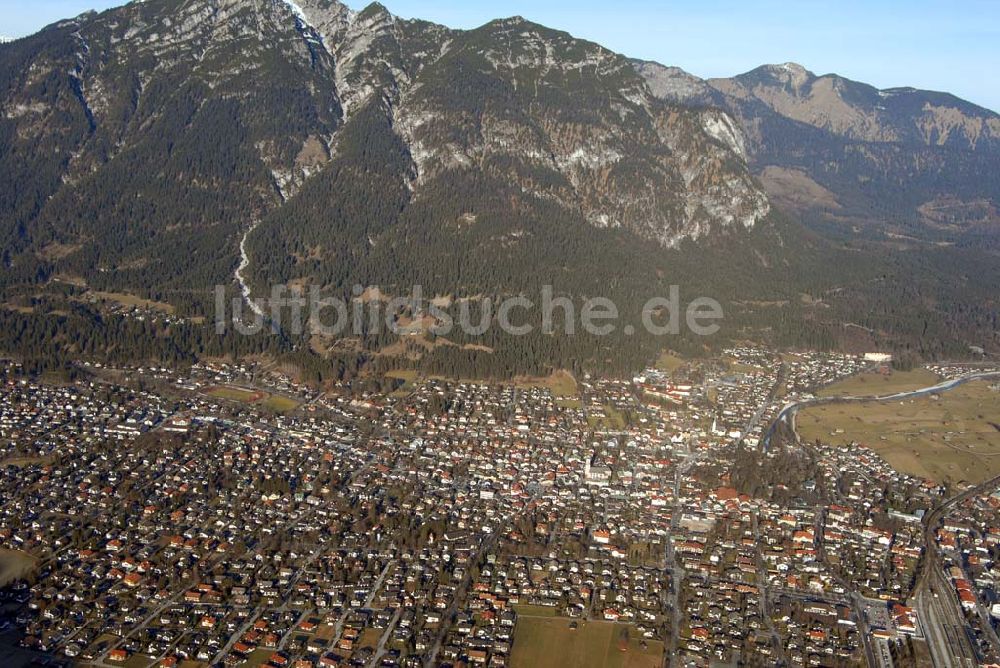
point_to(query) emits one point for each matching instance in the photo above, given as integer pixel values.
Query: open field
(369, 638)
(139, 661)
(951, 436)
(549, 642)
(14, 564)
(612, 420)
(406, 375)
(25, 461)
(560, 383)
(271, 402)
(326, 631)
(529, 610)
(568, 402)
(235, 394)
(877, 384)
(409, 378)
(668, 362)
(258, 657)
(279, 404)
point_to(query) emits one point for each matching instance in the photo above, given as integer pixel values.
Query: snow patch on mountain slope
(297, 10)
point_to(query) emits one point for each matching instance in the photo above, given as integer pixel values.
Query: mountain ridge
(796, 76)
(366, 52)
(167, 146)
(895, 161)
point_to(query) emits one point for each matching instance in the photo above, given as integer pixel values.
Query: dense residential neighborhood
(538, 335)
(229, 515)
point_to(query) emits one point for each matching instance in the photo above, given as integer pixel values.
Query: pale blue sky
(934, 44)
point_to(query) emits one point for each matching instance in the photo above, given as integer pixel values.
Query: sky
(932, 44)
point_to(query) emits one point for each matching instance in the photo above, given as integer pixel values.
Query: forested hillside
(143, 147)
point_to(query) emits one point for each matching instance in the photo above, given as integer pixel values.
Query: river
(244, 263)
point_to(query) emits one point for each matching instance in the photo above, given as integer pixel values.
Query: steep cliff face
(891, 158)
(558, 118)
(675, 85)
(570, 121)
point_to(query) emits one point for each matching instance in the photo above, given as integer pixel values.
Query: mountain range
(145, 149)
(891, 158)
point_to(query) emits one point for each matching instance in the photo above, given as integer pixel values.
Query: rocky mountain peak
(788, 69)
(376, 11)
(791, 75)
(509, 22)
(328, 17)
(674, 84)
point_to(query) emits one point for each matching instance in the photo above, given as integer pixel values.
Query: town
(226, 514)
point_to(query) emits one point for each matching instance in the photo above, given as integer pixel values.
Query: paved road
(765, 589)
(380, 650)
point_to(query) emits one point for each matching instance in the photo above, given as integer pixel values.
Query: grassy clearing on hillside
(559, 383)
(955, 436)
(550, 642)
(669, 362)
(409, 378)
(877, 384)
(130, 300)
(18, 308)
